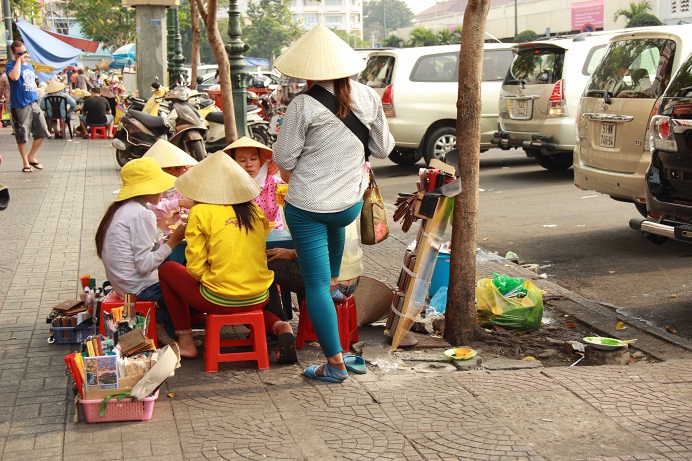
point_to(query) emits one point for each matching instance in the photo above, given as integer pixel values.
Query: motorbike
(183, 127)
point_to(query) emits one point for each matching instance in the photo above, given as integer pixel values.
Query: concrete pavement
(403, 412)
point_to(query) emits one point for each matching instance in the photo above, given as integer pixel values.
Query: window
(495, 64)
(593, 59)
(333, 19)
(355, 18)
(333, 2)
(436, 68)
(636, 68)
(377, 72)
(537, 65)
(310, 19)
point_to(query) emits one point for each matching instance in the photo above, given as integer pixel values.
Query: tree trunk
(196, 40)
(208, 13)
(461, 326)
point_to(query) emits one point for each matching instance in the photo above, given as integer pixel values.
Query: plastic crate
(68, 335)
(123, 410)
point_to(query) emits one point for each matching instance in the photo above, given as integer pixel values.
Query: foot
(187, 346)
(36, 165)
(27, 169)
(287, 349)
(326, 372)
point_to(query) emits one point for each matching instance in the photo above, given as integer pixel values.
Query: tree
(644, 6)
(393, 41)
(25, 8)
(444, 37)
(525, 36)
(461, 326)
(195, 45)
(272, 28)
(420, 36)
(456, 35)
(390, 13)
(353, 42)
(643, 20)
(106, 21)
(207, 11)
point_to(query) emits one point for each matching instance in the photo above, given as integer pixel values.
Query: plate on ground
(460, 353)
(605, 344)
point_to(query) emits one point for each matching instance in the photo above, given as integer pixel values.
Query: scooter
(190, 128)
(137, 133)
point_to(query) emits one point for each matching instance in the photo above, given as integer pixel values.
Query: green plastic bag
(493, 308)
(507, 284)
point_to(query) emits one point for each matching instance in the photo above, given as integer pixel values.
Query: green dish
(450, 353)
(604, 343)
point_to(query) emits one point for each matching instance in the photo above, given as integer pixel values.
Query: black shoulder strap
(329, 101)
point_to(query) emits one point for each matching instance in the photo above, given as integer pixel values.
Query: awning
(83, 44)
(46, 49)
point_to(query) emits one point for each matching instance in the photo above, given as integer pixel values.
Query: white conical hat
(168, 155)
(319, 55)
(218, 180)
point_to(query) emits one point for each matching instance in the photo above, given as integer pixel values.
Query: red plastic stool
(346, 317)
(212, 349)
(99, 131)
(112, 301)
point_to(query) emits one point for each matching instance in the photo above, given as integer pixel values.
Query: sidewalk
(638, 412)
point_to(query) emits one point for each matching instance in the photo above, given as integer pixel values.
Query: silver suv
(540, 95)
(419, 88)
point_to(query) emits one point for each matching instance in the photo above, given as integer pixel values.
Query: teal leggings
(319, 241)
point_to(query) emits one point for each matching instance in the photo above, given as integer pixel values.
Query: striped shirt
(325, 158)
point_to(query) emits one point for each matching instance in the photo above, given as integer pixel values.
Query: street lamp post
(239, 78)
(516, 20)
(177, 74)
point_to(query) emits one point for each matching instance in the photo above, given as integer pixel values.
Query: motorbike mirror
(200, 79)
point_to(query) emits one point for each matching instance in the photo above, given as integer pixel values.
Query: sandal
(27, 169)
(355, 364)
(36, 165)
(287, 349)
(331, 374)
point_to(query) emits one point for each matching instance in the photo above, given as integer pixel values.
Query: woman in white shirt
(128, 237)
(323, 162)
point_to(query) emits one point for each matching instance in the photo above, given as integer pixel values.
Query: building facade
(547, 16)
(346, 15)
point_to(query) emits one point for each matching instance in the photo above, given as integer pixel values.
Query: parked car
(540, 95)
(669, 176)
(419, 88)
(612, 153)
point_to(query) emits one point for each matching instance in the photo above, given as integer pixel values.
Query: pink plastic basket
(123, 410)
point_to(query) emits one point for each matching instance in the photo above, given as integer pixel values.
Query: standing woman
(324, 163)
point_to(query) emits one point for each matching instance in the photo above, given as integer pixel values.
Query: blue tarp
(46, 49)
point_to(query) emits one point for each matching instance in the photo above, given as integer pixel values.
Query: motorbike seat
(135, 100)
(152, 122)
(215, 117)
(205, 102)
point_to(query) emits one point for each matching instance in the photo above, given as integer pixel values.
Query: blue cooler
(440, 277)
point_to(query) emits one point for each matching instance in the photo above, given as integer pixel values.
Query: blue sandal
(355, 364)
(331, 374)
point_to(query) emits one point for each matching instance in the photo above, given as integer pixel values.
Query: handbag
(373, 217)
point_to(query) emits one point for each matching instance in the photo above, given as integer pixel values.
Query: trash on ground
(620, 326)
(520, 307)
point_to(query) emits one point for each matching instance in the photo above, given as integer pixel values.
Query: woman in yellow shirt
(226, 269)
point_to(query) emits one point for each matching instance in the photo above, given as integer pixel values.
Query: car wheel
(641, 208)
(439, 142)
(557, 162)
(405, 157)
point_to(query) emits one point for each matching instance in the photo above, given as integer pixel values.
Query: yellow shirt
(230, 264)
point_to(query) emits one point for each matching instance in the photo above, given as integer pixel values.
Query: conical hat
(218, 180)
(54, 86)
(264, 151)
(320, 55)
(168, 155)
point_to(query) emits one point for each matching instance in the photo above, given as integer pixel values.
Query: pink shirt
(267, 202)
(168, 203)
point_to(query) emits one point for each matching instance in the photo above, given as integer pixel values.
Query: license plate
(521, 107)
(607, 137)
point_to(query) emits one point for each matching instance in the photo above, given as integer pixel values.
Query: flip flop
(355, 364)
(287, 349)
(27, 169)
(36, 165)
(332, 374)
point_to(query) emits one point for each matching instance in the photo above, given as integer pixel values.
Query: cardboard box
(70, 307)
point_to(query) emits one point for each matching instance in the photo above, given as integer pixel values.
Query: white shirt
(130, 253)
(325, 158)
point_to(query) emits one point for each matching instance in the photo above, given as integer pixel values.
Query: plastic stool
(99, 131)
(347, 320)
(112, 301)
(212, 349)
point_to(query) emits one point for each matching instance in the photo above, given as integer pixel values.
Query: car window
(436, 68)
(633, 69)
(495, 64)
(536, 66)
(378, 71)
(681, 86)
(593, 59)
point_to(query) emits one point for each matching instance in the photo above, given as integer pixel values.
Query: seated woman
(55, 88)
(256, 159)
(173, 161)
(226, 264)
(128, 237)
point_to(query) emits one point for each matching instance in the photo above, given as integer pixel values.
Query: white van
(419, 88)
(612, 153)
